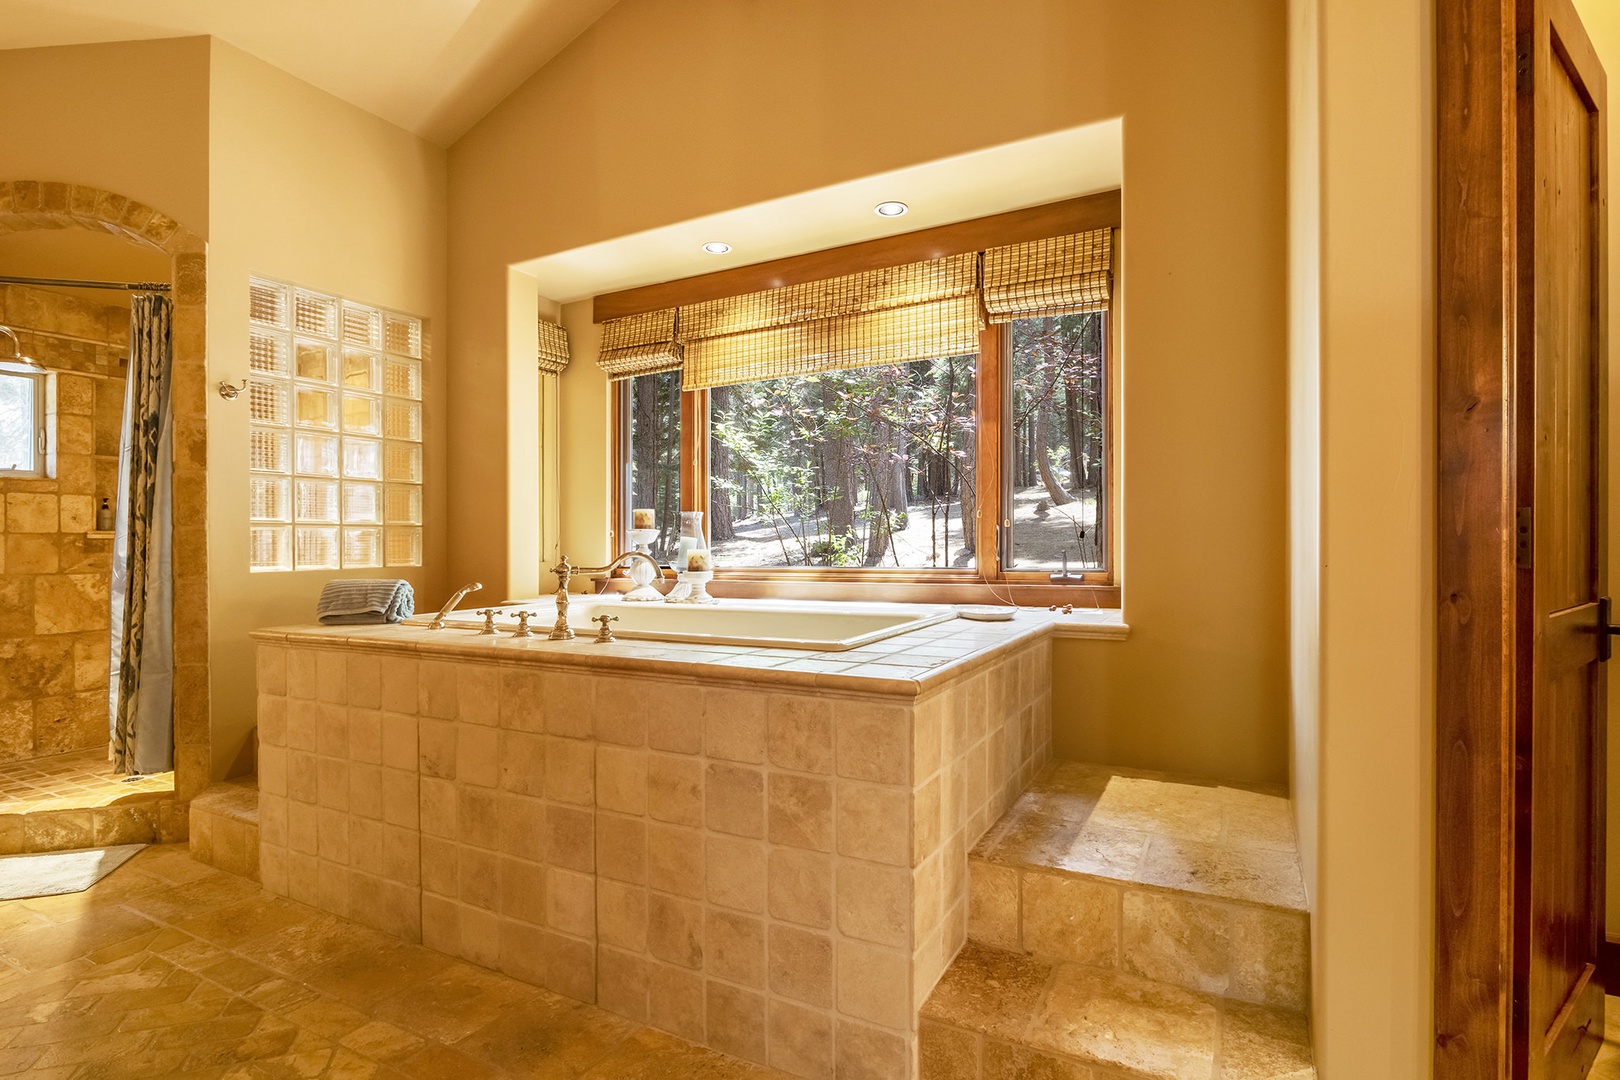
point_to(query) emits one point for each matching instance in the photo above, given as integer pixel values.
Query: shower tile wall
(54, 566)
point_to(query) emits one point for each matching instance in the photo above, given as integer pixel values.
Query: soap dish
(986, 612)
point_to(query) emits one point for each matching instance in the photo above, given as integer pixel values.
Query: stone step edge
(1026, 867)
(235, 800)
(1268, 962)
(946, 1044)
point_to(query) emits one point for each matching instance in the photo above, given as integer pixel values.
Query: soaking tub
(819, 626)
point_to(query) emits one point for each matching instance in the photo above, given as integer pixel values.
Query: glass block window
(335, 432)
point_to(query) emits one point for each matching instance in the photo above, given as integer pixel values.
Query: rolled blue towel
(354, 601)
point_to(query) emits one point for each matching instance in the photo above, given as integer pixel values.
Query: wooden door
(1561, 637)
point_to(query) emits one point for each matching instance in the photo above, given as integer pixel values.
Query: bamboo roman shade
(1061, 275)
(640, 345)
(552, 348)
(895, 315)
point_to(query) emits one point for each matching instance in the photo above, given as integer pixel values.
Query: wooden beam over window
(1014, 227)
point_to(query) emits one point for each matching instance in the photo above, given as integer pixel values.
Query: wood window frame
(988, 581)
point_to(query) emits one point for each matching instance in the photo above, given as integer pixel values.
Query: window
(1056, 456)
(941, 420)
(652, 422)
(335, 433)
(22, 422)
(864, 468)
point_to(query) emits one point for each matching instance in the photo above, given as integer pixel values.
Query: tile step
(997, 1014)
(1057, 877)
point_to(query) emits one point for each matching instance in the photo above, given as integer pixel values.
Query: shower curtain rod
(122, 286)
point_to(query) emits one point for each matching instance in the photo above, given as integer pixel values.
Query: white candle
(697, 560)
(642, 519)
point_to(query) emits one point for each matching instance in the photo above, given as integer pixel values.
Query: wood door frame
(1476, 293)
(1480, 324)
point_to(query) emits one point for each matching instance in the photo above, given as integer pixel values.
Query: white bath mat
(56, 872)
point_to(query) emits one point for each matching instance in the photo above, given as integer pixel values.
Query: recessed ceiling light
(716, 247)
(890, 209)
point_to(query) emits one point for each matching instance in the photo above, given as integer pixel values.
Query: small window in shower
(22, 422)
(335, 432)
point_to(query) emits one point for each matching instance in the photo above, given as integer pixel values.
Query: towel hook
(229, 392)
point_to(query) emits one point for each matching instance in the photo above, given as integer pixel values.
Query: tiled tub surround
(753, 851)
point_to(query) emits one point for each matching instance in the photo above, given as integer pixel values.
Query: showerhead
(17, 356)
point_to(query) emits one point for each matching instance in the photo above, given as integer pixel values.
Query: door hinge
(1605, 629)
(1523, 67)
(1524, 548)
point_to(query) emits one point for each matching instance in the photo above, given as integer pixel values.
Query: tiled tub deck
(744, 848)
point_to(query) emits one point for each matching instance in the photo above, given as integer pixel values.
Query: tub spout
(450, 604)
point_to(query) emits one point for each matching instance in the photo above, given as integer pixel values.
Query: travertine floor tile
(989, 991)
(169, 968)
(75, 781)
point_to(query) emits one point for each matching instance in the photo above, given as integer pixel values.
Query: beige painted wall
(623, 132)
(1602, 21)
(1373, 619)
(130, 117)
(308, 189)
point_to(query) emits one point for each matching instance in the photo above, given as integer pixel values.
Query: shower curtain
(141, 686)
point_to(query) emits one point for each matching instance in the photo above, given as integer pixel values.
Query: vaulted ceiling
(431, 66)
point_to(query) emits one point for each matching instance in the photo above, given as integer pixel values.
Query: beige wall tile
(570, 770)
(436, 748)
(477, 761)
(675, 930)
(31, 513)
(675, 789)
(303, 724)
(800, 887)
(438, 805)
(399, 741)
(874, 984)
(993, 899)
(734, 947)
(441, 870)
(366, 791)
(800, 733)
(874, 741)
(400, 693)
(571, 902)
(364, 680)
(332, 736)
(801, 964)
(735, 873)
(621, 779)
(569, 703)
(478, 694)
(301, 673)
(621, 848)
(621, 983)
(521, 951)
(736, 1021)
(523, 762)
(522, 890)
(800, 811)
(478, 819)
(331, 677)
(570, 966)
(622, 709)
(1070, 919)
(676, 725)
(1271, 958)
(522, 700)
(874, 902)
(303, 777)
(366, 846)
(333, 783)
(675, 1001)
(621, 915)
(365, 735)
(868, 1053)
(570, 837)
(436, 689)
(801, 1040)
(401, 802)
(479, 880)
(734, 725)
(523, 827)
(925, 821)
(734, 800)
(675, 859)
(441, 924)
(874, 823)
